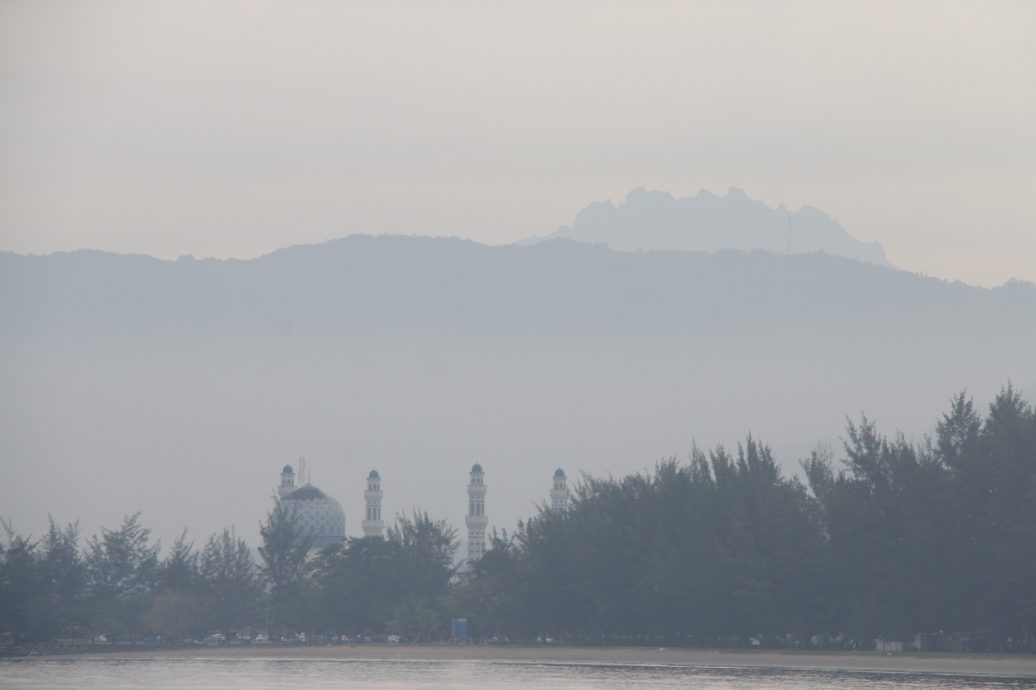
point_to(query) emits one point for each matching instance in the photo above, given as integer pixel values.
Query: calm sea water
(460, 675)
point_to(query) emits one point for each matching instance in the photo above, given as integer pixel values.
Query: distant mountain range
(710, 223)
(180, 388)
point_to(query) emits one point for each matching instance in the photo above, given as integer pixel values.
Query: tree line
(114, 586)
(891, 539)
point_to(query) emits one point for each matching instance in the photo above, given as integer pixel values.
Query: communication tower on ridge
(789, 243)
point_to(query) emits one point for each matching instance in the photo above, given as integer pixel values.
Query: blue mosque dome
(374, 475)
(559, 473)
(477, 468)
(319, 516)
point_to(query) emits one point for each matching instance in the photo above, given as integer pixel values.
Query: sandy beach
(962, 664)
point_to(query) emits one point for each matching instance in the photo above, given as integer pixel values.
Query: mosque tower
(559, 494)
(476, 520)
(373, 525)
(287, 482)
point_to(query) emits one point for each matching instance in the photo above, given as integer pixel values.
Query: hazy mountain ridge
(706, 222)
(451, 276)
(419, 356)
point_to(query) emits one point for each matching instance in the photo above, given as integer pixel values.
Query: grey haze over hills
(181, 387)
(710, 223)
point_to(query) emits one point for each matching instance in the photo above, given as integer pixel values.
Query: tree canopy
(891, 539)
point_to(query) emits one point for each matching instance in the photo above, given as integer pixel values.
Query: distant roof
(374, 475)
(287, 470)
(477, 468)
(306, 493)
(559, 473)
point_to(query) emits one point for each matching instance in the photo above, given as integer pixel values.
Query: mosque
(323, 520)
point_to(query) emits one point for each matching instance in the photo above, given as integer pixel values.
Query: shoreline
(862, 661)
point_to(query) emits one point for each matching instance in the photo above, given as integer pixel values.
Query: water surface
(67, 672)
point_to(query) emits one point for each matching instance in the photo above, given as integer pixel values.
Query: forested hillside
(137, 384)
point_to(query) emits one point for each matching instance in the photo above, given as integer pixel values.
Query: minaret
(559, 494)
(287, 482)
(373, 525)
(476, 520)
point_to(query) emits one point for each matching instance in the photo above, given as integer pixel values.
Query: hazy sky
(234, 128)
